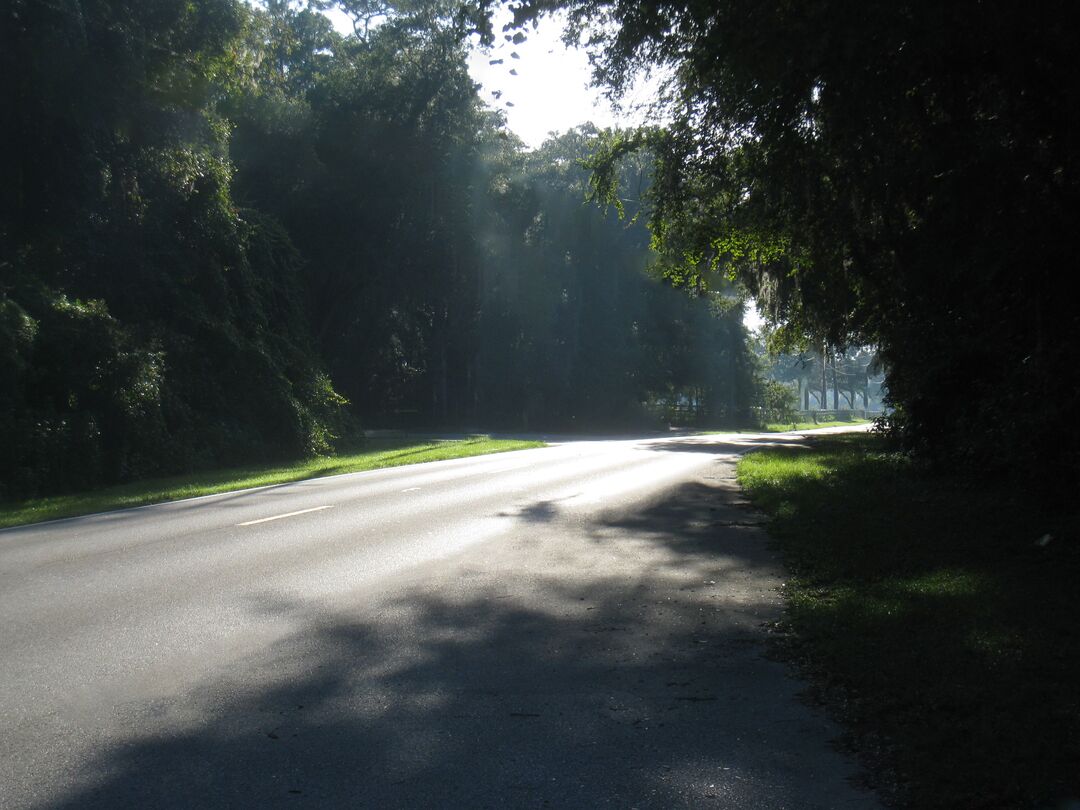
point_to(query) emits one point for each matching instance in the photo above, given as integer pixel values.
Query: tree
(586, 336)
(138, 298)
(895, 175)
(214, 216)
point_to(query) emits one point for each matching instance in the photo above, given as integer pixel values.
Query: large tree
(901, 174)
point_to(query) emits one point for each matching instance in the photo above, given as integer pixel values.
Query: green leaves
(873, 177)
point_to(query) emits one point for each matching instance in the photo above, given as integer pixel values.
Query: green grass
(932, 619)
(377, 453)
(782, 427)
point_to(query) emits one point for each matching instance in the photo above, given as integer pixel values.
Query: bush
(776, 402)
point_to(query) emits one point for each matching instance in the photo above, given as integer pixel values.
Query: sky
(549, 89)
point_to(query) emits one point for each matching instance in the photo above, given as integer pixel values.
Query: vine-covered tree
(149, 325)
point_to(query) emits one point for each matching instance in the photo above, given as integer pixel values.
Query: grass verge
(783, 427)
(935, 618)
(377, 453)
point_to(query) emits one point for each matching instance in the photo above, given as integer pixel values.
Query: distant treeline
(230, 234)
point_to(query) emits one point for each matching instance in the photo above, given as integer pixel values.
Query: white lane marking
(411, 489)
(287, 514)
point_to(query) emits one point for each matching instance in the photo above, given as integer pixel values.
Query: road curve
(574, 626)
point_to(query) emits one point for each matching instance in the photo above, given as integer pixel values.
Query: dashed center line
(411, 489)
(287, 514)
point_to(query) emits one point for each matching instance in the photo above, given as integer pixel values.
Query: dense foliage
(896, 174)
(148, 323)
(577, 333)
(228, 233)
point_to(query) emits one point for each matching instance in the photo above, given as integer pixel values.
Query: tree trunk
(823, 403)
(835, 389)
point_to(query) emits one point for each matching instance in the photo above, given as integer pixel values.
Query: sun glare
(539, 84)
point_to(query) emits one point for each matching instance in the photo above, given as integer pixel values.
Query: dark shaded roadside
(938, 618)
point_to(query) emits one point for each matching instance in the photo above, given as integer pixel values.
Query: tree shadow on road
(631, 676)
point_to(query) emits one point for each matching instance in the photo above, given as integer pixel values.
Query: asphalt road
(578, 626)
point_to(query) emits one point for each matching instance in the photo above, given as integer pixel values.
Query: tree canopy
(895, 174)
(230, 233)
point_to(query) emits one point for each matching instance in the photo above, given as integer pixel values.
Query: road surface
(576, 626)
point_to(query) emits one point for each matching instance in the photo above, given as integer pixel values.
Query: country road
(575, 626)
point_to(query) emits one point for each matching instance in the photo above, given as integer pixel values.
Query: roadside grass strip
(938, 618)
(784, 427)
(377, 453)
